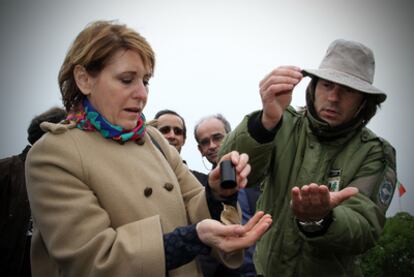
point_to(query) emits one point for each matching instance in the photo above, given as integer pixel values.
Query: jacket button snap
(147, 191)
(168, 186)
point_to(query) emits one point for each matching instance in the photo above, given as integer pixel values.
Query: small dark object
(228, 175)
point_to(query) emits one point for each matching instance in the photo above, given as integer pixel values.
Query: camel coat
(101, 208)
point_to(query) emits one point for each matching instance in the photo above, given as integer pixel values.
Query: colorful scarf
(88, 119)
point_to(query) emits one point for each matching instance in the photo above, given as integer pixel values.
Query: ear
(199, 149)
(83, 80)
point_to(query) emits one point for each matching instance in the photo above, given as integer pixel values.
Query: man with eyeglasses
(209, 132)
(172, 127)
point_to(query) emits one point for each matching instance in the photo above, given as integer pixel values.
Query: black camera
(227, 175)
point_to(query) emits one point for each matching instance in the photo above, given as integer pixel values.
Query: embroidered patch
(385, 192)
(334, 179)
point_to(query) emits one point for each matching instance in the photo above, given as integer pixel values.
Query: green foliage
(394, 253)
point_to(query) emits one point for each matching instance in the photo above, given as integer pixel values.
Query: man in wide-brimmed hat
(327, 179)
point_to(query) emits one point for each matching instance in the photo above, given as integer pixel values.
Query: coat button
(140, 141)
(147, 191)
(168, 186)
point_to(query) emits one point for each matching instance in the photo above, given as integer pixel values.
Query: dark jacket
(14, 217)
(210, 267)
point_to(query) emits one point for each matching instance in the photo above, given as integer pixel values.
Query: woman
(109, 196)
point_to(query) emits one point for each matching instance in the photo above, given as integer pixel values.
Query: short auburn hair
(93, 48)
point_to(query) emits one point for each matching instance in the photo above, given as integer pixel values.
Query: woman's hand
(240, 162)
(229, 238)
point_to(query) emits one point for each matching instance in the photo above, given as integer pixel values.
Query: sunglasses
(167, 129)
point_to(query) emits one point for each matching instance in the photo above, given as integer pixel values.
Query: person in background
(172, 127)
(209, 133)
(15, 219)
(106, 200)
(328, 180)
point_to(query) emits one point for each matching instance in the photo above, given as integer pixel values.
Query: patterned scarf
(88, 119)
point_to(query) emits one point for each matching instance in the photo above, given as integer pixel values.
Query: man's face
(171, 126)
(210, 134)
(336, 104)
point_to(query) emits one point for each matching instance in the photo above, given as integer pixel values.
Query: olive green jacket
(296, 157)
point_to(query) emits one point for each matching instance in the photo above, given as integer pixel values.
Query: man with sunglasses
(209, 132)
(172, 126)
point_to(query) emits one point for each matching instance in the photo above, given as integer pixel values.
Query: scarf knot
(89, 119)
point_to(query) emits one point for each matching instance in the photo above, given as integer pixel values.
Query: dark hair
(93, 48)
(370, 109)
(54, 115)
(218, 116)
(166, 111)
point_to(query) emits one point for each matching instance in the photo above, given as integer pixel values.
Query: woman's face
(119, 92)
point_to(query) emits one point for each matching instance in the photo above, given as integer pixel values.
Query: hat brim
(345, 79)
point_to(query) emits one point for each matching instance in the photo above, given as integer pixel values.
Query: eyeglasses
(167, 129)
(216, 138)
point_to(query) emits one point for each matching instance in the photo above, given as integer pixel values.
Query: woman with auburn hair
(109, 196)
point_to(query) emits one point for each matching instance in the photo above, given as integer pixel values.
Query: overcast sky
(211, 56)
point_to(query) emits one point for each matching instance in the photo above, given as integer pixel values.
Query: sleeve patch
(385, 192)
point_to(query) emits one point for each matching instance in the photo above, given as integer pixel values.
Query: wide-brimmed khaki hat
(351, 64)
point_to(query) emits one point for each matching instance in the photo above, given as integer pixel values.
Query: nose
(213, 144)
(170, 135)
(334, 94)
(140, 91)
